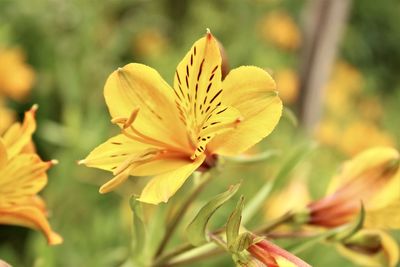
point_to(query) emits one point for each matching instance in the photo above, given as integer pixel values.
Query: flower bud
(371, 248)
(372, 178)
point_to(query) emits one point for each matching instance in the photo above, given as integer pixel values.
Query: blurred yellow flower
(348, 76)
(293, 197)
(371, 248)
(354, 140)
(16, 76)
(279, 28)
(345, 84)
(149, 42)
(372, 177)
(287, 84)
(169, 132)
(22, 176)
(371, 109)
(328, 132)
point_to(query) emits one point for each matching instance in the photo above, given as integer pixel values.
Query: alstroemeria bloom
(169, 132)
(273, 256)
(372, 177)
(371, 248)
(22, 176)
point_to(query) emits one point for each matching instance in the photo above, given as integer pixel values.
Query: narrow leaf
(233, 224)
(256, 157)
(196, 231)
(291, 163)
(290, 116)
(139, 229)
(253, 206)
(352, 228)
(336, 234)
(242, 242)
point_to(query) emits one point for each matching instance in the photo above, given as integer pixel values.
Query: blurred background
(336, 64)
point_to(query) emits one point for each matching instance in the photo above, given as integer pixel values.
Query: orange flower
(22, 176)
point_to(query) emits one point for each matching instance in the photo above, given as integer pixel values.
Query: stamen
(132, 118)
(219, 126)
(147, 155)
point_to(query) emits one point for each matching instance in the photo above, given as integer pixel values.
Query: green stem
(181, 212)
(286, 218)
(208, 250)
(167, 256)
(194, 256)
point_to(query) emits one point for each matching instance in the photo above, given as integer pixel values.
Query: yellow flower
(287, 83)
(371, 248)
(279, 28)
(150, 42)
(16, 77)
(293, 197)
(345, 84)
(372, 177)
(353, 139)
(327, 132)
(371, 109)
(22, 176)
(169, 132)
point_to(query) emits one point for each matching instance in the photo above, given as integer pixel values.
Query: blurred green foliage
(74, 45)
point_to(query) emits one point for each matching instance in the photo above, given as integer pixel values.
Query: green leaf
(233, 224)
(337, 234)
(290, 116)
(242, 242)
(351, 228)
(300, 152)
(253, 206)
(139, 229)
(196, 231)
(255, 158)
(279, 181)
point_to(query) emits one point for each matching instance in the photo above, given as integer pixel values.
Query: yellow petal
(282, 262)
(18, 136)
(4, 264)
(23, 176)
(198, 91)
(3, 154)
(31, 217)
(138, 86)
(159, 165)
(150, 167)
(7, 117)
(109, 155)
(163, 186)
(386, 254)
(384, 218)
(371, 163)
(250, 90)
(197, 80)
